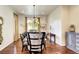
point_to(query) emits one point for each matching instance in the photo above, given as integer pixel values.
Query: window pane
(32, 24)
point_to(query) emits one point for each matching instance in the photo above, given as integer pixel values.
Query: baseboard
(6, 46)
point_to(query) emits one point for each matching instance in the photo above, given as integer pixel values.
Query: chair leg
(30, 52)
(45, 46)
(26, 47)
(22, 49)
(41, 52)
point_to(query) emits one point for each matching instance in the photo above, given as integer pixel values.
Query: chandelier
(35, 17)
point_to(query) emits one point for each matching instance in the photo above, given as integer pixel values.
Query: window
(33, 24)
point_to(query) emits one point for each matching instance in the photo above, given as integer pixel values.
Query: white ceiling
(29, 10)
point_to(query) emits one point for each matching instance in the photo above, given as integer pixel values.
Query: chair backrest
(22, 36)
(36, 40)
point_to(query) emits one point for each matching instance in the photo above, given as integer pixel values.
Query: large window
(33, 24)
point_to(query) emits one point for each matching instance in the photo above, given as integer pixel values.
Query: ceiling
(30, 10)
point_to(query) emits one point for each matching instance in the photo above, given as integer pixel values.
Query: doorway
(16, 36)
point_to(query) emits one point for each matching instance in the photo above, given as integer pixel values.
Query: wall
(21, 23)
(74, 16)
(54, 24)
(8, 26)
(69, 15)
(59, 21)
(43, 24)
(65, 15)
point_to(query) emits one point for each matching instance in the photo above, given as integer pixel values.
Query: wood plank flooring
(15, 48)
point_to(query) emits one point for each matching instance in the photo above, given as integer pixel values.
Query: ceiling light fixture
(34, 16)
(34, 11)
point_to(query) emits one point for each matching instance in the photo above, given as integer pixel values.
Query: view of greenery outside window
(33, 24)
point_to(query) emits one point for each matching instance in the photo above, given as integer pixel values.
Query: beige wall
(54, 24)
(8, 26)
(74, 16)
(69, 15)
(65, 14)
(21, 23)
(43, 23)
(59, 21)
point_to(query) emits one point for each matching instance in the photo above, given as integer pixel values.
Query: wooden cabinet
(73, 41)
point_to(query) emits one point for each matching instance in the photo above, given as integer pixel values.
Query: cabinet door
(77, 41)
(71, 39)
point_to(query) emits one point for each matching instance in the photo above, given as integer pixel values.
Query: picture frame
(1, 23)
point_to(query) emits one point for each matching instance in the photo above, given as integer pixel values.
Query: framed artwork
(1, 23)
(72, 28)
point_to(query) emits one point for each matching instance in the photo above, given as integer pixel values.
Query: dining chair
(24, 40)
(36, 42)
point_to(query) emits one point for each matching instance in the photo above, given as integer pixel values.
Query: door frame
(16, 30)
(39, 24)
(26, 24)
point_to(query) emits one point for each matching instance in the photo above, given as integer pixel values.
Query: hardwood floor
(15, 48)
